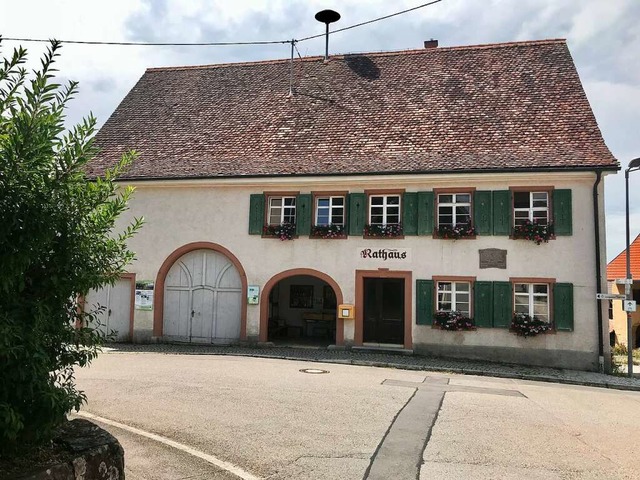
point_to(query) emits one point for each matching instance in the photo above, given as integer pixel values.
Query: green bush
(57, 242)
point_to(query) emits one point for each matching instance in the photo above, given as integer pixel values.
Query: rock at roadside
(81, 450)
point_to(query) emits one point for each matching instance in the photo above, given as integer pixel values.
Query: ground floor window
(454, 296)
(532, 299)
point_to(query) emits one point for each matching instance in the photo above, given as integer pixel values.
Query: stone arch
(266, 290)
(158, 299)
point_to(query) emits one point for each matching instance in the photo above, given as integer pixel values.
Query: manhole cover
(313, 370)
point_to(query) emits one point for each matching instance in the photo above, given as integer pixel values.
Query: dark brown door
(383, 310)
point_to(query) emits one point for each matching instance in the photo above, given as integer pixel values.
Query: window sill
(383, 237)
(470, 237)
(439, 327)
(320, 237)
(278, 238)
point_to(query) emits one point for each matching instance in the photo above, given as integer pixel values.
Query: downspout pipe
(596, 221)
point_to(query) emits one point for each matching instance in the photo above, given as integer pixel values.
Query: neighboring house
(372, 166)
(617, 270)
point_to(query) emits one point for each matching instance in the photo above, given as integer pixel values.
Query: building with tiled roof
(359, 201)
(616, 271)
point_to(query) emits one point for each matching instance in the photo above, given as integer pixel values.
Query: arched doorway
(199, 296)
(299, 307)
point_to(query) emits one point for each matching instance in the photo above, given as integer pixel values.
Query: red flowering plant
(527, 326)
(389, 231)
(452, 321)
(328, 231)
(457, 231)
(283, 231)
(534, 231)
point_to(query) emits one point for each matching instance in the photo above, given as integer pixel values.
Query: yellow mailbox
(346, 312)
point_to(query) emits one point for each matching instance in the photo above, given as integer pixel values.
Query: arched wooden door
(202, 299)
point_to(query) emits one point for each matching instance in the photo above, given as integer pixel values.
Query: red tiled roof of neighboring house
(617, 268)
(497, 107)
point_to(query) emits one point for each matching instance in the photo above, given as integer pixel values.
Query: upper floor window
(454, 209)
(531, 206)
(282, 210)
(454, 296)
(384, 209)
(532, 299)
(330, 210)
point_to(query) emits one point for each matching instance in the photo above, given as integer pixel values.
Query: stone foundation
(91, 453)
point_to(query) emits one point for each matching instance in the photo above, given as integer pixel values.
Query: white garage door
(115, 316)
(202, 299)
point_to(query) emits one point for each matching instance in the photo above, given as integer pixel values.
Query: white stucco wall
(180, 212)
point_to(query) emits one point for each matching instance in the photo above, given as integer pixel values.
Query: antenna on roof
(327, 17)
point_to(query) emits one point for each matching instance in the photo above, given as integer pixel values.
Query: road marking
(229, 467)
(399, 454)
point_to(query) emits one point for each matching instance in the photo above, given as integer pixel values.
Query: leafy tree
(57, 242)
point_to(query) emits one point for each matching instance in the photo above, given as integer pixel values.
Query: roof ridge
(416, 51)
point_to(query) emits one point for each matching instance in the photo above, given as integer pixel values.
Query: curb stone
(390, 360)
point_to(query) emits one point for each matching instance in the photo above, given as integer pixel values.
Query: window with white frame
(329, 210)
(454, 296)
(532, 299)
(531, 206)
(454, 209)
(384, 209)
(282, 210)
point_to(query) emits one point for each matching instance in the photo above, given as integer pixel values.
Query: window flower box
(283, 231)
(533, 231)
(392, 230)
(328, 231)
(452, 321)
(527, 326)
(459, 231)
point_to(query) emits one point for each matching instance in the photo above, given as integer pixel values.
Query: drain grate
(314, 371)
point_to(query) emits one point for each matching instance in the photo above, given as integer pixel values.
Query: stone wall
(90, 453)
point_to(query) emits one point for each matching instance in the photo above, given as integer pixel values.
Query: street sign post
(610, 296)
(624, 281)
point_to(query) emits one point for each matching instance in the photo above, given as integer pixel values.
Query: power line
(371, 21)
(145, 44)
(218, 44)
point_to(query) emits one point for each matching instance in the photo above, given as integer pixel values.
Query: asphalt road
(225, 417)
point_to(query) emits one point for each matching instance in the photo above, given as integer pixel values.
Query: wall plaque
(493, 258)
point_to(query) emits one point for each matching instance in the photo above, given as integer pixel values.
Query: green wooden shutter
(424, 302)
(562, 218)
(425, 213)
(501, 212)
(410, 213)
(563, 306)
(483, 304)
(357, 204)
(502, 304)
(482, 212)
(303, 214)
(256, 214)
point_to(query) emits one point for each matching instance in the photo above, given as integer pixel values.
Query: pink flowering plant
(283, 231)
(389, 231)
(527, 326)
(457, 231)
(452, 321)
(328, 231)
(534, 231)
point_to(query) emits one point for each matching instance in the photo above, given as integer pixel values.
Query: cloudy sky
(602, 36)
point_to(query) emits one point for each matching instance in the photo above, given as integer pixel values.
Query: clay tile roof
(617, 268)
(478, 108)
